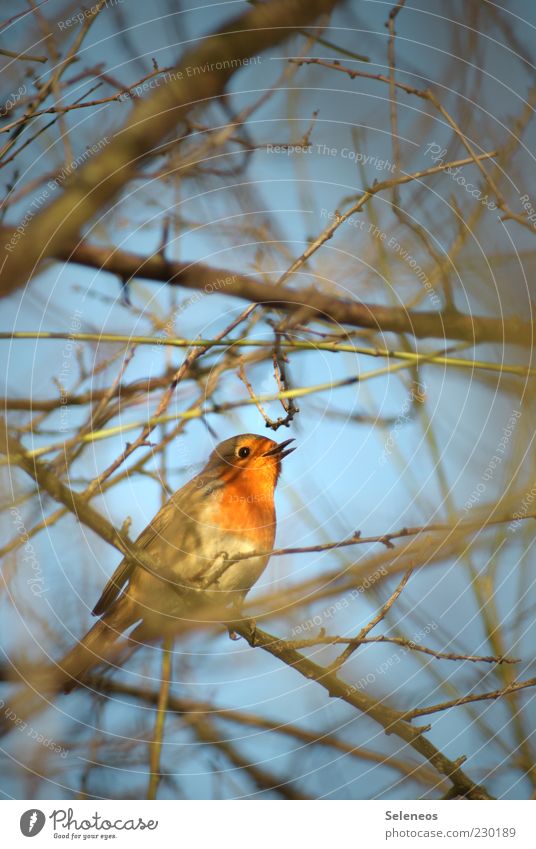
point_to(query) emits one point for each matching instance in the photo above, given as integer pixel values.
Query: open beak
(278, 451)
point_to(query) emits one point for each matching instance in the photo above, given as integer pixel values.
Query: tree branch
(450, 325)
(392, 721)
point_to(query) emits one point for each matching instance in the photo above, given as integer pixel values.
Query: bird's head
(256, 458)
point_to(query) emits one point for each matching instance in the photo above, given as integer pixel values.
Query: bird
(199, 544)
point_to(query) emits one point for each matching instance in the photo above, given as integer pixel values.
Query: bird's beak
(278, 451)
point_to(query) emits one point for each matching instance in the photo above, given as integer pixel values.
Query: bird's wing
(179, 501)
(114, 586)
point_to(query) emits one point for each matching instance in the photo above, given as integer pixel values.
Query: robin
(197, 541)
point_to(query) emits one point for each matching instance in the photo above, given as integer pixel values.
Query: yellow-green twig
(197, 412)
(298, 345)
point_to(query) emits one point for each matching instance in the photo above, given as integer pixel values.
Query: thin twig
(244, 378)
(392, 90)
(27, 57)
(476, 697)
(381, 614)
(386, 539)
(156, 744)
(326, 640)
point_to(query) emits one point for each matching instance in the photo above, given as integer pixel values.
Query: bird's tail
(98, 646)
(95, 648)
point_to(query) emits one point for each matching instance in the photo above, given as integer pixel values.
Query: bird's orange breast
(247, 507)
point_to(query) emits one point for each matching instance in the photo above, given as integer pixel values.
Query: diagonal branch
(381, 614)
(392, 721)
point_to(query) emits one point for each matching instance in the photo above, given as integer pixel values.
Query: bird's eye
(244, 452)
